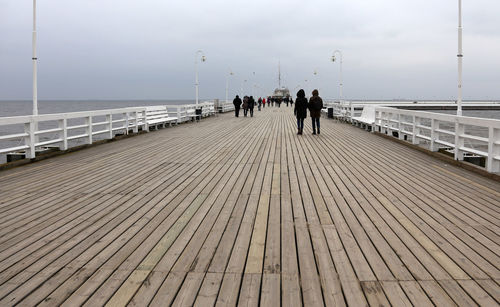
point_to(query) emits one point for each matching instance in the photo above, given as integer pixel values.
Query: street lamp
(315, 73)
(254, 85)
(34, 59)
(333, 60)
(203, 59)
(227, 84)
(460, 57)
(243, 85)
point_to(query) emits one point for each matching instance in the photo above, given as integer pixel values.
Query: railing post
(136, 126)
(126, 122)
(400, 128)
(29, 140)
(109, 119)
(145, 120)
(434, 134)
(351, 108)
(88, 123)
(63, 134)
(459, 140)
(492, 164)
(416, 130)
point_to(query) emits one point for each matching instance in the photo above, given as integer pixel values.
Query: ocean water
(25, 107)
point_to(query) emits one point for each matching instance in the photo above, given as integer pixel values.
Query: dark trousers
(315, 122)
(251, 112)
(245, 112)
(300, 123)
(237, 111)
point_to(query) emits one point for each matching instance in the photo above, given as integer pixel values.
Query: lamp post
(333, 60)
(35, 60)
(227, 84)
(254, 85)
(243, 84)
(203, 59)
(315, 73)
(460, 57)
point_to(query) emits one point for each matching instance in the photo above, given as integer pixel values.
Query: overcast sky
(103, 49)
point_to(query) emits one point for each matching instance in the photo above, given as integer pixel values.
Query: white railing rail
(129, 119)
(442, 130)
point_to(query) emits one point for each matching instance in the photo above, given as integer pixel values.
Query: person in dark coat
(245, 105)
(291, 101)
(251, 104)
(300, 110)
(260, 102)
(237, 105)
(315, 105)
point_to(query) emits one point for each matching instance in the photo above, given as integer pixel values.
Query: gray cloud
(129, 49)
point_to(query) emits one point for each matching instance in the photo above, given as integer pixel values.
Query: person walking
(315, 105)
(291, 101)
(251, 104)
(300, 110)
(264, 102)
(260, 102)
(245, 106)
(237, 105)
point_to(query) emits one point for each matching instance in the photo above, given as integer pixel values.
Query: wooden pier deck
(243, 211)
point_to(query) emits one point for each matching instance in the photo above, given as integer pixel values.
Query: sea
(25, 107)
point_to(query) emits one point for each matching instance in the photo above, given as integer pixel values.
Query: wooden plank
(207, 295)
(434, 291)
(415, 293)
(229, 290)
(271, 290)
(481, 297)
(250, 289)
(374, 293)
(396, 295)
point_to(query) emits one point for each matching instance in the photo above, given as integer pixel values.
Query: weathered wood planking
(243, 211)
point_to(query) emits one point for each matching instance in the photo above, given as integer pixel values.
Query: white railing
(344, 110)
(63, 130)
(477, 136)
(187, 112)
(102, 122)
(223, 106)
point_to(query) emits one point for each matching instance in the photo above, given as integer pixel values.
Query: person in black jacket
(237, 105)
(300, 110)
(251, 104)
(315, 106)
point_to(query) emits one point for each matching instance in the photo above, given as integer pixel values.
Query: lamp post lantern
(460, 58)
(227, 84)
(203, 59)
(341, 60)
(34, 59)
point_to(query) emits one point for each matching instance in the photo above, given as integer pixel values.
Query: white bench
(367, 118)
(158, 116)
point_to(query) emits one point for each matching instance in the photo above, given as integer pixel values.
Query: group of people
(248, 105)
(314, 105)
